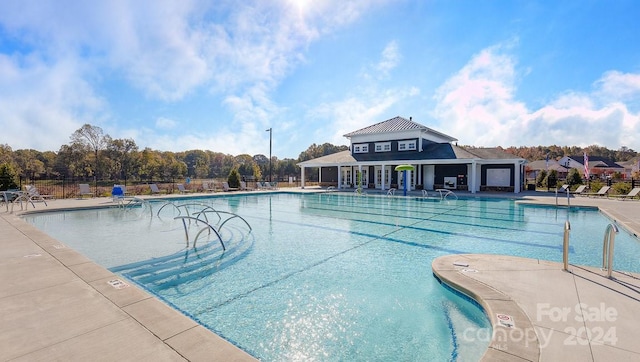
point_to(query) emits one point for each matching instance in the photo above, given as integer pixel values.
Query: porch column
(516, 178)
(302, 176)
(319, 175)
(383, 180)
(419, 171)
(361, 180)
(472, 181)
(339, 177)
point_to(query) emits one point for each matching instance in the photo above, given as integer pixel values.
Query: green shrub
(552, 179)
(574, 177)
(595, 185)
(621, 188)
(8, 177)
(542, 175)
(234, 178)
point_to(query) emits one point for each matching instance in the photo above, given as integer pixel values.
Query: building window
(361, 148)
(407, 145)
(383, 147)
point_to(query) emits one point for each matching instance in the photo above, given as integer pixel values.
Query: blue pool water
(329, 276)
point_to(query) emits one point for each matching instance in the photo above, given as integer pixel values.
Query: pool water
(328, 276)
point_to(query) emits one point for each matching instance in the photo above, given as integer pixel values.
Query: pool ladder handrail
(565, 245)
(208, 227)
(608, 245)
(444, 193)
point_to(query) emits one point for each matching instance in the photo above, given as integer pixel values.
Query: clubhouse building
(437, 163)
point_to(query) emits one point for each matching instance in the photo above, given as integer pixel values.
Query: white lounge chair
(85, 190)
(633, 193)
(579, 190)
(602, 192)
(35, 195)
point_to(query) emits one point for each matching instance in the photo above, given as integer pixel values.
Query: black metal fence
(63, 187)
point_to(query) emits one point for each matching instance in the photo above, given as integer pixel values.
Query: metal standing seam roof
(394, 125)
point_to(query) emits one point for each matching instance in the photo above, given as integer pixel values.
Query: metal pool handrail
(208, 226)
(608, 248)
(565, 245)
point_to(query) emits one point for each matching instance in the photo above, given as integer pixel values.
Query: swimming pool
(329, 276)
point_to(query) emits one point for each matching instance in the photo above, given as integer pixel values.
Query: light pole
(270, 130)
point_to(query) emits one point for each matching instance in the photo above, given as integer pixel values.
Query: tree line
(554, 152)
(93, 155)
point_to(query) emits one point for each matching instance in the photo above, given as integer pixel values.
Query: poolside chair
(117, 193)
(563, 188)
(226, 188)
(633, 193)
(208, 188)
(155, 190)
(182, 189)
(602, 192)
(85, 190)
(35, 195)
(580, 190)
(244, 187)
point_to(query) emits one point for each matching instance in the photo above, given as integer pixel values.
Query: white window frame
(407, 145)
(361, 148)
(383, 146)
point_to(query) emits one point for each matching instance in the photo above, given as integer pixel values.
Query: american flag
(586, 166)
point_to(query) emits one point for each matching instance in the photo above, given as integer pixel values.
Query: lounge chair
(226, 188)
(182, 189)
(85, 190)
(208, 188)
(244, 187)
(602, 192)
(563, 188)
(633, 193)
(35, 195)
(579, 190)
(155, 190)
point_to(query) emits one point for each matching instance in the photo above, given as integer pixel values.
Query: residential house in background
(532, 169)
(438, 163)
(599, 167)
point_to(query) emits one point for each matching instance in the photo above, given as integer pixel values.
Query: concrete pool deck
(56, 304)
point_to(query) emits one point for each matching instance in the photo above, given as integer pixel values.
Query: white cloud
(165, 123)
(41, 105)
(477, 105)
(357, 111)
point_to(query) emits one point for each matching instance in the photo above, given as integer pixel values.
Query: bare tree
(93, 138)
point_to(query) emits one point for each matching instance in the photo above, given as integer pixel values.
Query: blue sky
(181, 75)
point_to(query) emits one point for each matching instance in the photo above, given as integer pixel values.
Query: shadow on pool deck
(55, 304)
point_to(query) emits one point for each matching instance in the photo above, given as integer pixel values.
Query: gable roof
(596, 161)
(396, 124)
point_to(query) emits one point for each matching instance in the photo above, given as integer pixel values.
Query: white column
(516, 183)
(339, 178)
(302, 176)
(383, 180)
(319, 175)
(472, 179)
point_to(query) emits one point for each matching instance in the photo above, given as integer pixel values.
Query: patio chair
(580, 190)
(226, 188)
(182, 189)
(244, 187)
(633, 193)
(35, 195)
(85, 190)
(155, 190)
(602, 192)
(208, 188)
